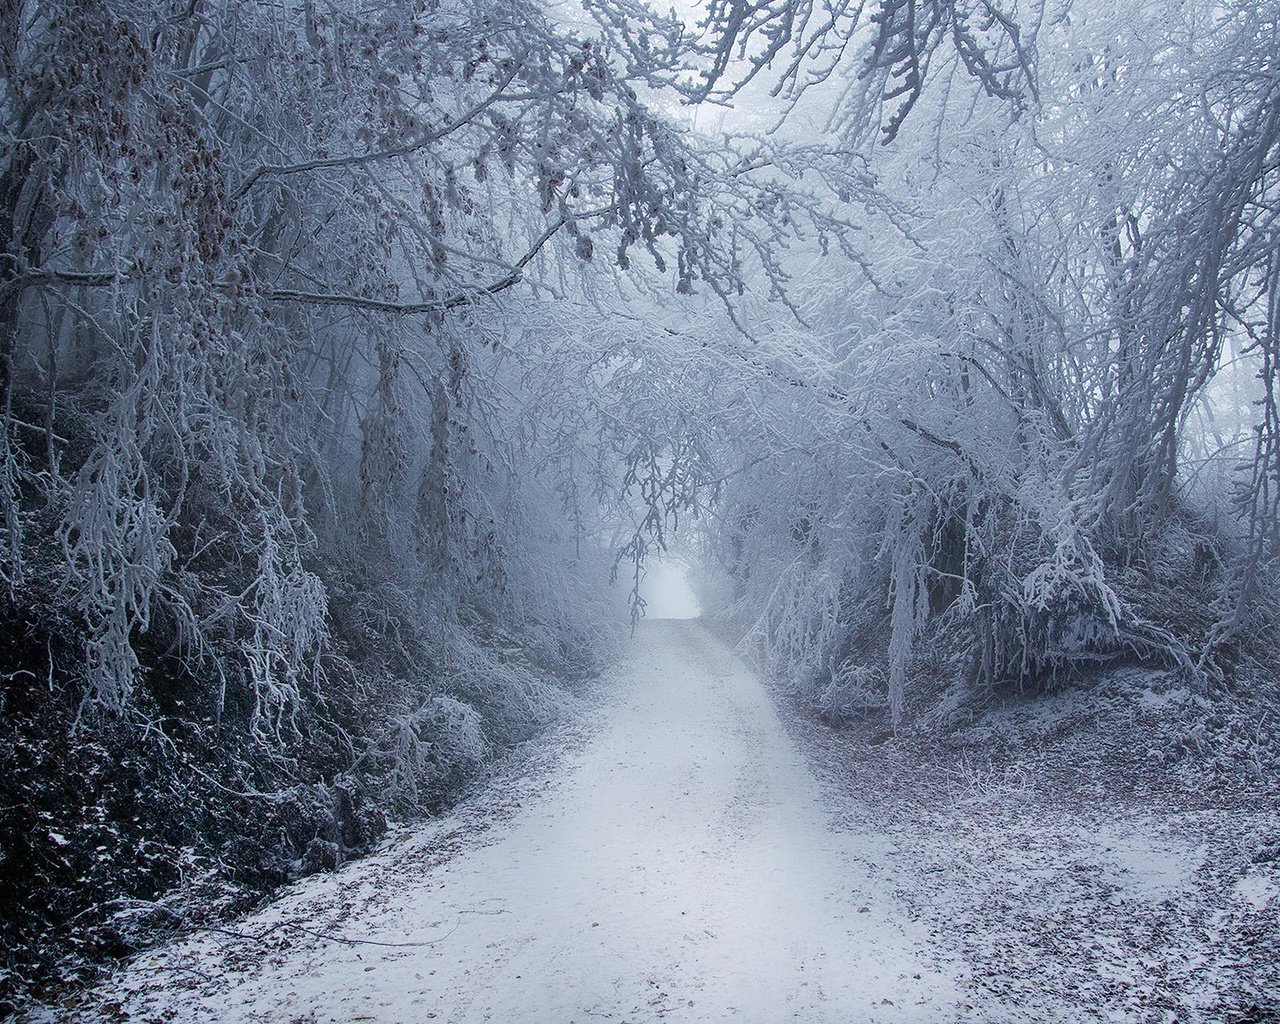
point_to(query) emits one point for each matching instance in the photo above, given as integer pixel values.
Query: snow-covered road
(677, 866)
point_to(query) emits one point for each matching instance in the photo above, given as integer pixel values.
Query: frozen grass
(1092, 855)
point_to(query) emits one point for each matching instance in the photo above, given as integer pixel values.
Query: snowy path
(678, 867)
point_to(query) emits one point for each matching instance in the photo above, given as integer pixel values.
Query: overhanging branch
(103, 279)
(453, 301)
(359, 159)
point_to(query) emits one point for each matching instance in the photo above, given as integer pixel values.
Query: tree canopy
(346, 353)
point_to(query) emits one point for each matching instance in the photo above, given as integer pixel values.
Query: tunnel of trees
(348, 351)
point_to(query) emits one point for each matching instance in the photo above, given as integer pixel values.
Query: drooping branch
(85, 279)
(440, 305)
(103, 279)
(360, 159)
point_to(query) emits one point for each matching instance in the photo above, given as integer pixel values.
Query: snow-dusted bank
(679, 866)
(675, 854)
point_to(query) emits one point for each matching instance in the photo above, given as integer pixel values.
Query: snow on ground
(677, 866)
(686, 853)
(1075, 882)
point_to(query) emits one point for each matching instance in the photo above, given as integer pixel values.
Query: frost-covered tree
(310, 453)
(982, 431)
(345, 350)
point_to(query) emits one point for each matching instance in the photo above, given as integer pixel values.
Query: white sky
(667, 590)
